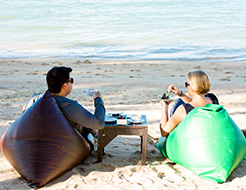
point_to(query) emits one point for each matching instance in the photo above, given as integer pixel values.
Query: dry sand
(130, 87)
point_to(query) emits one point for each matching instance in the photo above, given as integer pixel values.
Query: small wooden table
(112, 130)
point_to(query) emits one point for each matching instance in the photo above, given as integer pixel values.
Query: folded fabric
(31, 101)
(41, 145)
(207, 142)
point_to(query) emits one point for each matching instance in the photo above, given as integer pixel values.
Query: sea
(190, 30)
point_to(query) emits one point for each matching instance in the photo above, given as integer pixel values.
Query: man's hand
(97, 94)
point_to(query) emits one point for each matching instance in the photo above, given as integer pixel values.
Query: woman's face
(188, 86)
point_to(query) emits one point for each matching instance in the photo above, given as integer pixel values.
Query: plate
(110, 119)
(165, 100)
(135, 121)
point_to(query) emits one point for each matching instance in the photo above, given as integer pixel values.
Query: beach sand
(130, 87)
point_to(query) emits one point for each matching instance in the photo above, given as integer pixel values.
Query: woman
(198, 86)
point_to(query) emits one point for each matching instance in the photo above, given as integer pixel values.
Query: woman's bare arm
(167, 125)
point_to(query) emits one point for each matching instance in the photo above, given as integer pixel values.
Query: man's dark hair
(56, 77)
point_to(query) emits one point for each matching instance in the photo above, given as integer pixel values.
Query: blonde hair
(200, 82)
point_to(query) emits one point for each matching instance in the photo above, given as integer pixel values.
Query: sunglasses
(186, 84)
(71, 80)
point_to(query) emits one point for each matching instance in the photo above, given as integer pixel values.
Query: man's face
(69, 85)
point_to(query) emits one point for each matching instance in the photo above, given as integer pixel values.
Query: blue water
(124, 29)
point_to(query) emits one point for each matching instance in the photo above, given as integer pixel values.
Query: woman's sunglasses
(186, 84)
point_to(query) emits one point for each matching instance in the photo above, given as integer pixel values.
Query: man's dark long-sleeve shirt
(78, 116)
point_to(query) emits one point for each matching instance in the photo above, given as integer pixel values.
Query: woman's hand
(174, 90)
(164, 104)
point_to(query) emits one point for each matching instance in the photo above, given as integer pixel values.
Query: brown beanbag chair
(41, 145)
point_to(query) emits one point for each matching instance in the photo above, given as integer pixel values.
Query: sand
(130, 87)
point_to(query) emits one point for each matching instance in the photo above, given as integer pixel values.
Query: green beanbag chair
(207, 142)
(41, 144)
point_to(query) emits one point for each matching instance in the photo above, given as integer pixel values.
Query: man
(60, 85)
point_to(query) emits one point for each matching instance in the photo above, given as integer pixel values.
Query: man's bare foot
(94, 132)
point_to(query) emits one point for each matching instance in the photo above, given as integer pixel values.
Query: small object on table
(122, 120)
(136, 118)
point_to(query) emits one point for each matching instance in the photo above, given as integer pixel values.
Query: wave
(191, 53)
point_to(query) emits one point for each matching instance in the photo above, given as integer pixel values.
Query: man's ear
(64, 86)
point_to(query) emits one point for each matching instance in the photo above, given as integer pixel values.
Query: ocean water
(124, 29)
